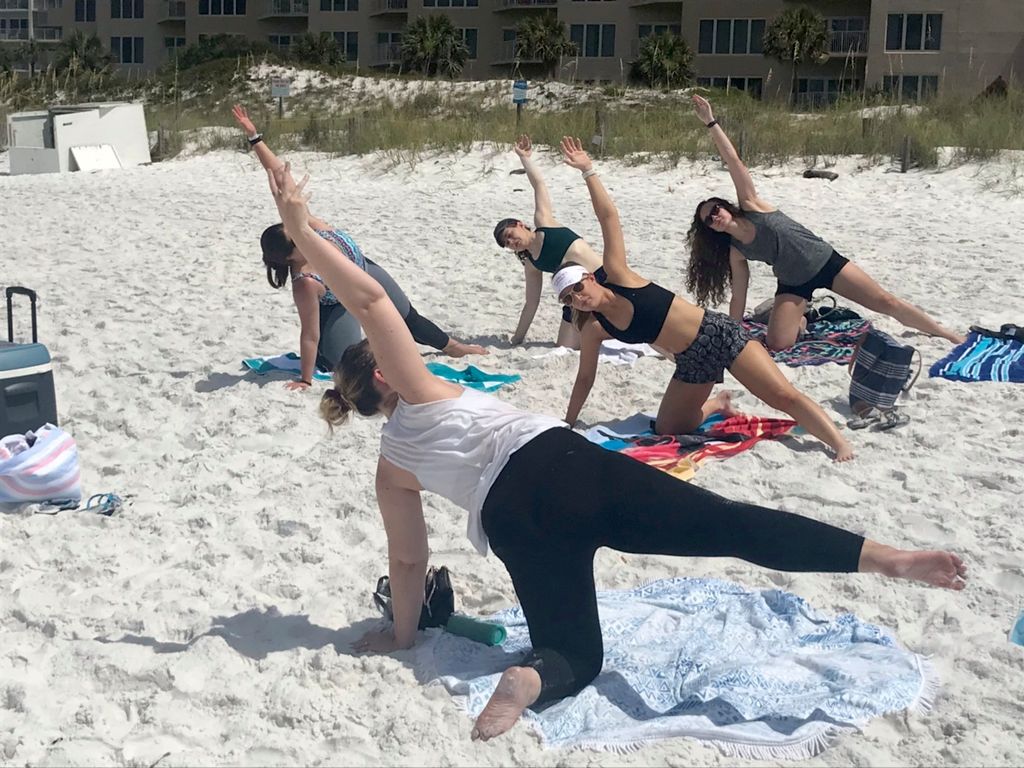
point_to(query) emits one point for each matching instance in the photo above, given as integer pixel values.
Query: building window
(646, 30)
(281, 42)
(222, 7)
(127, 50)
(752, 85)
(349, 42)
(741, 36)
(910, 87)
(593, 40)
(339, 5)
(172, 43)
(913, 32)
(451, 3)
(818, 91)
(13, 29)
(469, 37)
(85, 10)
(125, 9)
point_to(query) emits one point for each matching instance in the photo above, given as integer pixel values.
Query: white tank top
(456, 448)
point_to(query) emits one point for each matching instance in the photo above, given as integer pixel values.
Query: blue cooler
(27, 397)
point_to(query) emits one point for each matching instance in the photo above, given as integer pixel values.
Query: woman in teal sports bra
(543, 249)
(724, 238)
(702, 343)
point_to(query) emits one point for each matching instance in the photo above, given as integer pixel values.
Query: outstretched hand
(574, 155)
(243, 120)
(290, 197)
(523, 147)
(703, 109)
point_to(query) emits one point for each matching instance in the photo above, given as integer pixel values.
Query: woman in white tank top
(541, 496)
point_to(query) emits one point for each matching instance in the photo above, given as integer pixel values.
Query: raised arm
(614, 257)
(542, 215)
(534, 285)
(740, 280)
(393, 347)
(267, 159)
(746, 194)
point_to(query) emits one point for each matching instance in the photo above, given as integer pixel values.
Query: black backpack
(438, 598)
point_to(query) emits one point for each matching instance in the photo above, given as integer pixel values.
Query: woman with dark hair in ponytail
(724, 237)
(327, 327)
(541, 496)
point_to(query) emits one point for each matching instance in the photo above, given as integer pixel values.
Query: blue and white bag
(880, 371)
(47, 470)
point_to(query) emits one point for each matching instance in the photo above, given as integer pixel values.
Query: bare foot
(940, 569)
(518, 688)
(722, 403)
(844, 452)
(458, 349)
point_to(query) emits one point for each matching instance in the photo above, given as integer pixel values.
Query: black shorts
(720, 339)
(824, 279)
(600, 275)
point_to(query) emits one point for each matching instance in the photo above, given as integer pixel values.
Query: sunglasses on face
(576, 288)
(710, 218)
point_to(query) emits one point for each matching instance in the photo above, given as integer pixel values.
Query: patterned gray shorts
(719, 341)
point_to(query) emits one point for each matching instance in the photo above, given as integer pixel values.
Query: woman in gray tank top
(724, 237)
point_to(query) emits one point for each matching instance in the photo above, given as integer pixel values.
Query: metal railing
(528, 3)
(848, 42)
(175, 9)
(13, 34)
(287, 8)
(13, 5)
(390, 6)
(49, 34)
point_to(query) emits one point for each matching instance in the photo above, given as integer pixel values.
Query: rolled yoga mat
(474, 629)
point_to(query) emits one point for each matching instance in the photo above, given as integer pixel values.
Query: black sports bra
(651, 304)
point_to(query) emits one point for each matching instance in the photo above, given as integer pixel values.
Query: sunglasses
(710, 218)
(567, 297)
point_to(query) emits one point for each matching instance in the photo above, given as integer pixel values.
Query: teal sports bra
(556, 243)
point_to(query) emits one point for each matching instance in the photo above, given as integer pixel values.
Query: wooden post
(905, 155)
(351, 127)
(867, 126)
(598, 139)
(280, 107)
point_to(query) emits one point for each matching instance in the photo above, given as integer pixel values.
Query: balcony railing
(275, 8)
(13, 34)
(49, 34)
(505, 5)
(389, 6)
(848, 42)
(507, 54)
(174, 10)
(13, 5)
(387, 53)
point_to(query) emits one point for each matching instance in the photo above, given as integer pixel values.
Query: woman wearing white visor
(702, 343)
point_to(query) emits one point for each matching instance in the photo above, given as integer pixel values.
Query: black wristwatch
(712, 124)
(255, 139)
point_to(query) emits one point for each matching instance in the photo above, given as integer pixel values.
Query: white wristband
(588, 173)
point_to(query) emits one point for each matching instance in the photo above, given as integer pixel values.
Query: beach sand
(210, 621)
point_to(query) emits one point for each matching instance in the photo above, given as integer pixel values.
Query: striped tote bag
(880, 371)
(47, 471)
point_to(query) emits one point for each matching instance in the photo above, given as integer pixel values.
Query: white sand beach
(209, 623)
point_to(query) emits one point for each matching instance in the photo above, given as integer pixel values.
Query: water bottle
(1017, 631)
(475, 629)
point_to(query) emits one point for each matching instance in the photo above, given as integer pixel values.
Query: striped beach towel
(983, 358)
(49, 470)
(826, 341)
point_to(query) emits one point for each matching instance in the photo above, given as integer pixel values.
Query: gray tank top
(794, 252)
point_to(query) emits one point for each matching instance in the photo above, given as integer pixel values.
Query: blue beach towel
(288, 363)
(982, 358)
(473, 377)
(759, 674)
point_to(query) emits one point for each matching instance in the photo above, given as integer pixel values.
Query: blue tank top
(328, 299)
(651, 304)
(556, 244)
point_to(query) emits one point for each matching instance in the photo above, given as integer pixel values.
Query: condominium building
(908, 47)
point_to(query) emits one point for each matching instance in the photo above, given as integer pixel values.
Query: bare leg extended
(755, 370)
(685, 406)
(855, 284)
(786, 321)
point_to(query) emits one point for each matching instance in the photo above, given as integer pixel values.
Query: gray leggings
(339, 329)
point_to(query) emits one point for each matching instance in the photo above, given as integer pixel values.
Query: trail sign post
(280, 89)
(519, 89)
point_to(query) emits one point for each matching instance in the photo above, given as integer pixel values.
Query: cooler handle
(10, 291)
(21, 388)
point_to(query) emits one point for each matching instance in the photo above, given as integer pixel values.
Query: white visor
(566, 277)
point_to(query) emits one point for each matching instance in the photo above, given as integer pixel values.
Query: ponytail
(353, 387)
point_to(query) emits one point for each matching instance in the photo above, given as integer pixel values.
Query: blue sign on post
(519, 91)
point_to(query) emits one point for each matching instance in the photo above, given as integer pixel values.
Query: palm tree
(30, 52)
(664, 61)
(797, 36)
(82, 53)
(543, 38)
(319, 50)
(432, 45)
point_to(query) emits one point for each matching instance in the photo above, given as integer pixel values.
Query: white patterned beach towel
(759, 674)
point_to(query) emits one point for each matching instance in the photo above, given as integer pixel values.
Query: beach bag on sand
(39, 466)
(438, 598)
(880, 371)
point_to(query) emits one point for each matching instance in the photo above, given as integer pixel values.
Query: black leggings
(424, 331)
(561, 497)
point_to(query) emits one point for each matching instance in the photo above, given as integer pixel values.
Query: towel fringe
(931, 683)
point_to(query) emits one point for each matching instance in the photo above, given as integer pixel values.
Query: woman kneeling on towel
(702, 343)
(543, 497)
(328, 328)
(724, 238)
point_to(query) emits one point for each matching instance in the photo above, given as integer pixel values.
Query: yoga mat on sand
(758, 674)
(288, 362)
(473, 377)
